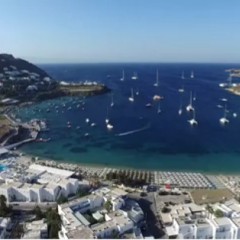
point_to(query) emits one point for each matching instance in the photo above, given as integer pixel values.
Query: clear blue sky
(45, 31)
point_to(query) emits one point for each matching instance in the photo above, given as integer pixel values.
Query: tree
(38, 212)
(218, 213)
(62, 199)
(166, 210)
(54, 223)
(108, 205)
(4, 209)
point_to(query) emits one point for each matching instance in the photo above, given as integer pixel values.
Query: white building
(223, 228)
(74, 222)
(35, 230)
(116, 223)
(42, 184)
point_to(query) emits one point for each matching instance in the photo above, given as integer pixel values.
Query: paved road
(148, 206)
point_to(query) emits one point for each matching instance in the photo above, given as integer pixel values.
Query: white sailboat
(112, 102)
(159, 109)
(190, 106)
(192, 75)
(180, 110)
(107, 118)
(156, 84)
(224, 119)
(182, 77)
(123, 76)
(194, 96)
(193, 121)
(135, 76)
(131, 99)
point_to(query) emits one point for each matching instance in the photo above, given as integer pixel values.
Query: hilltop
(22, 81)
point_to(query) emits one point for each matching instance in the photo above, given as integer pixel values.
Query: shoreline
(116, 167)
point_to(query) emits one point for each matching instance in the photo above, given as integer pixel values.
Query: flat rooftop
(61, 172)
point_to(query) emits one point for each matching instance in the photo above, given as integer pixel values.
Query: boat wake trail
(134, 131)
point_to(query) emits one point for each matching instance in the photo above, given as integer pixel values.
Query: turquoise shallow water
(169, 144)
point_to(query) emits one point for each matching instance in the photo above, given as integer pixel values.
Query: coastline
(52, 162)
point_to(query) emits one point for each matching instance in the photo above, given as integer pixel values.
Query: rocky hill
(21, 81)
(9, 63)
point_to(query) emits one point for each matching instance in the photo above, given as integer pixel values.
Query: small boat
(112, 102)
(193, 121)
(135, 76)
(109, 126)
(223, 85)
(190, 106)
(87, 120)
(234, 115)
(181, 90)
(156, 84)
(78, 127)
(93, 124)
(123, 76)
(157, 97)
(148, 105)
(131, 98)
(137, 92)
(223, 99)
(224, 119)
(192, 75)
(86, 135)
(219, 106)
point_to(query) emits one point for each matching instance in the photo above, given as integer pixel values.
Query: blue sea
(168, 142)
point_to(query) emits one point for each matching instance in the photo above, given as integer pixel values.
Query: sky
(86, 31)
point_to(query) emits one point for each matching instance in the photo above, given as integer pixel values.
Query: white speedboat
(223, 85)
(131, 98)
(190, 107)
(93, 124)
(156, 84)
(135, 76)
(87, 120)
(109, 126)
(181, 90)
(148, 105)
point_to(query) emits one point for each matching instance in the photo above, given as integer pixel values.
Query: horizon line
(72, 63)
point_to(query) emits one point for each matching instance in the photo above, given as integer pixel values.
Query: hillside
(21, 81)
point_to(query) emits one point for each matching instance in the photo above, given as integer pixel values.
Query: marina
(163, 128)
